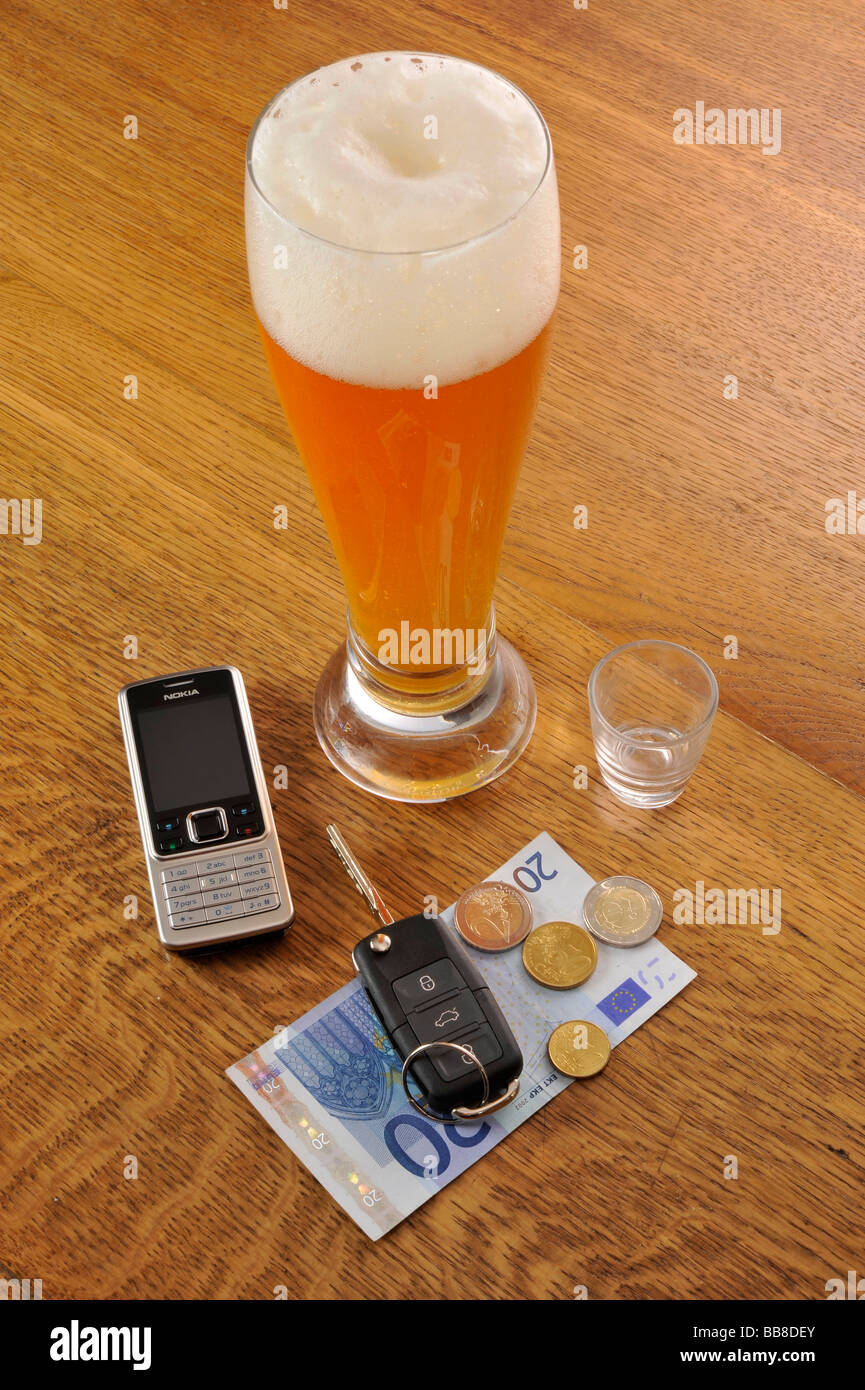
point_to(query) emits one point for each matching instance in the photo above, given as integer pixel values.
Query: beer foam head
(402, 220)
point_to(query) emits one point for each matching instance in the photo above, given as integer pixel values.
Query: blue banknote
(330, 1084)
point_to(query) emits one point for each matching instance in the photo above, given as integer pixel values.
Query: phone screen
(192, 753)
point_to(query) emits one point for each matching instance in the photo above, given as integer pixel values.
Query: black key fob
(428, 992)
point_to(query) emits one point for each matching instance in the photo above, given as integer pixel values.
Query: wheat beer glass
(402, 231)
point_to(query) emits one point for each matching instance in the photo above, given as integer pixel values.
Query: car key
(436, 1008)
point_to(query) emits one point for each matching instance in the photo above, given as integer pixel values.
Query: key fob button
(422, 986)
(442, 1020)
(452, 1066)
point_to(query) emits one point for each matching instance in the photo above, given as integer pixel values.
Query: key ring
(468, 1055)
(463, 1112)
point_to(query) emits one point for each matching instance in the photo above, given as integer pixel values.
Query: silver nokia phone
(215, 866)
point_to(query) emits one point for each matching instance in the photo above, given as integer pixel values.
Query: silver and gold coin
(560, 955)
(493, 916)
(579, 1048)
(622, 911)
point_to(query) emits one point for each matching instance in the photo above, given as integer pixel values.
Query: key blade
(359, 878)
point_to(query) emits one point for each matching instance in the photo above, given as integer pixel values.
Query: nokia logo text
(179, 694)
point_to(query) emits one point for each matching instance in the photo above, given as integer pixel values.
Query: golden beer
(403, 248)
(415, 492)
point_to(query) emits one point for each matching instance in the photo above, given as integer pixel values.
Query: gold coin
(624, 910)
(493, 916)
(579, 1048)
(560, 955)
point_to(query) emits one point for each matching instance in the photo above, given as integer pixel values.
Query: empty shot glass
(652, 704)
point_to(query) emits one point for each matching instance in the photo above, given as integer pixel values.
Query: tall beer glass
(402, 230)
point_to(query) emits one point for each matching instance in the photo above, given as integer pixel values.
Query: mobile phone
(213, 858)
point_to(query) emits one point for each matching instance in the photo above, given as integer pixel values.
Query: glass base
(410, 748)
(640, 800)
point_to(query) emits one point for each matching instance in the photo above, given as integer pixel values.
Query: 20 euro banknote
(330, 1084)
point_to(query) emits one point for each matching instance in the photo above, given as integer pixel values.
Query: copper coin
(493, 916)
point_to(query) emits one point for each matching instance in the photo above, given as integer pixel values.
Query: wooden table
(125, 258)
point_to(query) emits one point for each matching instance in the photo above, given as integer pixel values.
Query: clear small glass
(652, 704)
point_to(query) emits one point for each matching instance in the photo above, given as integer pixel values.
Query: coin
(493, 916)
(560, 954)
(622, 911)
(579, 1048)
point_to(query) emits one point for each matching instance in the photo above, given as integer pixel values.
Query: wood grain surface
(706, 520)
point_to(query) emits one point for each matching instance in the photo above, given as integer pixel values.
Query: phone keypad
(220, 886)
(217, 864)
(258, 889)
(188, 919)
(246, 858)
(180, 888)
(265, 904)
(215, 896)
(219, 912)
(188, 903)
(218, 880)
(181, 872)
(254, 873)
